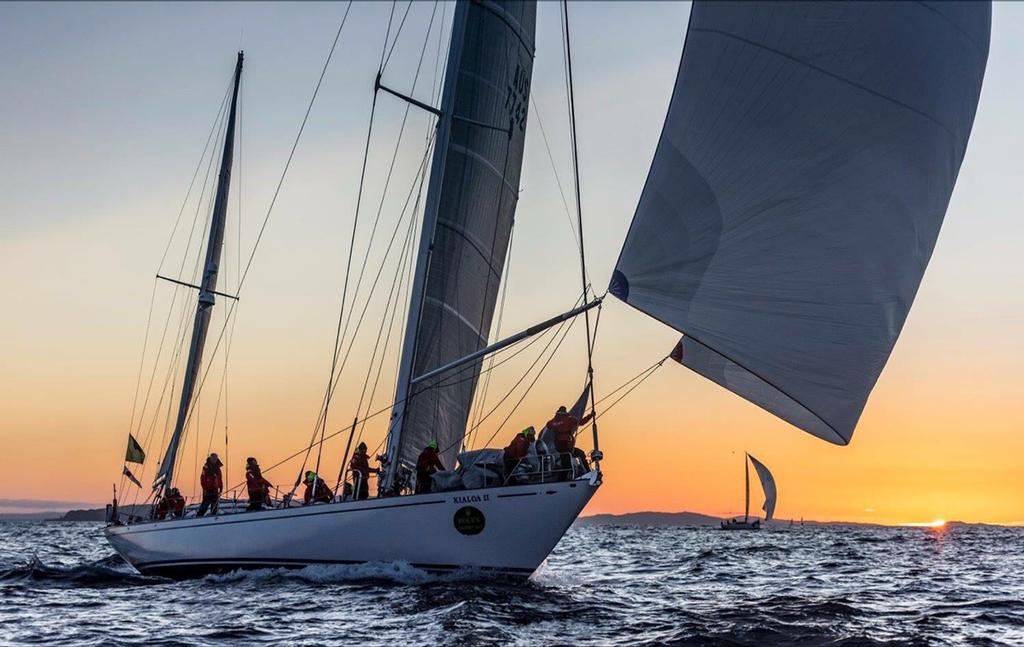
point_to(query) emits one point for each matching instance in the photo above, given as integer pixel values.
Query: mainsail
(768, 485)
(471, 201)
(804, 169)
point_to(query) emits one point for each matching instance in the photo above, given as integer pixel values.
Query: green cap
(310, 476)
(432, 444)
(529, 431)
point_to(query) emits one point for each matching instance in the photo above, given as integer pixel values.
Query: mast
(207, 291)
(404, 385)
(746, 484)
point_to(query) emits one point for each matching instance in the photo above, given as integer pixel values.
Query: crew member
(428, 463)
(212, 483)
(518, 449)
(258, 487)
(316, 490)
(360, 464)
(564, 426)
(172, 503)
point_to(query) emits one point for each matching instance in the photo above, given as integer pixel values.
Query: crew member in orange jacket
(564, 426)
(316, 490)
(212, 483)
(428, 463)
(360, 464)
(258, 487)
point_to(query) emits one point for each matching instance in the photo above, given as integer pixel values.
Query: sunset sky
(107, 107)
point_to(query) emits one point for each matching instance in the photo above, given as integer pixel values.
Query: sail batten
(470, 206)
(798, 187)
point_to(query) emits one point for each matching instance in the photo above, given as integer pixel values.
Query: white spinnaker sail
(804, 169)
(768, 485)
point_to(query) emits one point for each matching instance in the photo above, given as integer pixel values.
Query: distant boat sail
(804, 170)
(767, 486)
(770, 496)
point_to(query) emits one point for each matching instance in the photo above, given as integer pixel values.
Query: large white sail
(471, 202)
(803, 173)
(768, 485)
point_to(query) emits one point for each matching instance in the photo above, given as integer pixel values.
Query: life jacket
(211, 480)
(360, 464)
(518, 448)
(177, 505)
(258, 487)
(564, 427)
(428, 462)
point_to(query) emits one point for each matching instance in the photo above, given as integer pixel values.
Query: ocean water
(61, 584)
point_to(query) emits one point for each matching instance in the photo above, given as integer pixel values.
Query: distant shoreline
(645, 518)
(699, 520)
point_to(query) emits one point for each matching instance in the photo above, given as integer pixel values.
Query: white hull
(511, 531)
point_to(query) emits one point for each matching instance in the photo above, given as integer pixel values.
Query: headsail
(802, 175)
(471, 201)
(768, 485)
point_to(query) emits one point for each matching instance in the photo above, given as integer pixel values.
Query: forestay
(767, 485)
(478, 166)
(796, 193)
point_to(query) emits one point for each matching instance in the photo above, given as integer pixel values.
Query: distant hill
(692, 519)
(100, 514)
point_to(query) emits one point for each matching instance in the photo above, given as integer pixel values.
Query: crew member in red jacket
(212, 483)
(428, 463)
(172, 503)
(316, 490)
(360, 464)
(564, 426)
(258, 487)
(518, 449)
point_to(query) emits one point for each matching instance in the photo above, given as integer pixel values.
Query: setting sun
(937, 523)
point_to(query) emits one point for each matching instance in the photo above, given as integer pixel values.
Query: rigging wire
(391, 405)
(218, 120)
(554, 170)
(568, 324)
(277, 190)
(579, 215)
(482, 393)
(385, 61)
(152, 297)
(342, 331)
(147, 438)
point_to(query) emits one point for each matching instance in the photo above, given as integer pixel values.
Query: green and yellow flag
(134, 454)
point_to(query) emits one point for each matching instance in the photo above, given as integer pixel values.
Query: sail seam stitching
(832, 75)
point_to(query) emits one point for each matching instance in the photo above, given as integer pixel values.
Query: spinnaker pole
(207, 292)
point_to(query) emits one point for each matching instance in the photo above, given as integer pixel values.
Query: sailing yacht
(770, 496)
(806, 162)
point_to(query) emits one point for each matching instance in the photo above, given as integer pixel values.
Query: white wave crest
(397, 572)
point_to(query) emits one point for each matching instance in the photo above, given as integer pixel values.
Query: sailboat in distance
(806, 163)
(770, 496)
